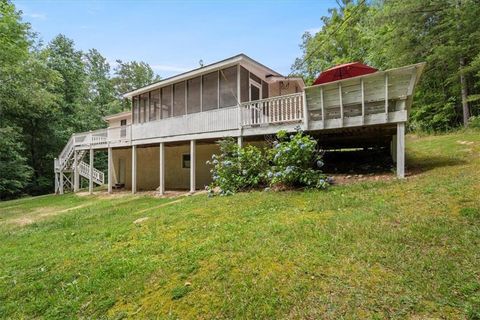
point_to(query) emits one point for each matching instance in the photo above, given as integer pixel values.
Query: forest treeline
(392, 33)
(49, 91)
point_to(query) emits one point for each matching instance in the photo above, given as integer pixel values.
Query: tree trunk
(463, 85)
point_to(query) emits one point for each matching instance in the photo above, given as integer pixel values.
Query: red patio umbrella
(344, 71)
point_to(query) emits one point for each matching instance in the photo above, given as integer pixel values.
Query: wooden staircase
(66, 165)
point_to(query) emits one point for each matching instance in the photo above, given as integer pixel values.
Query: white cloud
(39, 16)
(169, 68)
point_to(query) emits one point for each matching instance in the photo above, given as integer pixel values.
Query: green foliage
(474, 122)
(290, 162)
(14, 171)
(50, 92)
(131, 75)
(294, 158)
(389, 34)
(236, 169)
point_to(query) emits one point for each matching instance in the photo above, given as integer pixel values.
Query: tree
(388, 34)
(130, 76)
(101, 98)
(14, 171)
(341, 39)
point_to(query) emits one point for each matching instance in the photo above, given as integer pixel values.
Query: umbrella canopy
(344, 71)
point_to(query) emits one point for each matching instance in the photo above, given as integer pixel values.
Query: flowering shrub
(290, 162)
(236, 169)
(293, 159)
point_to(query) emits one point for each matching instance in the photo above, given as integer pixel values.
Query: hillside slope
(397, 249)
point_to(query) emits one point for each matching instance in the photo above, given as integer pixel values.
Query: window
(210, 91)
(193, 95)
(154, 104)
(166, 102)
(136, 109)
(228, 87)
(186, 161)
(179, 99)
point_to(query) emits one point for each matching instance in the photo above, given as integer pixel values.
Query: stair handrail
(66, 152)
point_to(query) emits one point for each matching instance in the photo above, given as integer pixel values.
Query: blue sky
(172, 36)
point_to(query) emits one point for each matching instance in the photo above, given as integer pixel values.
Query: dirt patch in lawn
(40, 214)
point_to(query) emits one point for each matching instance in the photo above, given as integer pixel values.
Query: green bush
(474, 122)
(294, 158)
(290, 162)
(236, 169)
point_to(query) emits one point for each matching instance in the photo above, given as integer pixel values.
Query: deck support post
(192, 165)
(76, 176)
(61, 182)
(110, 167)
(56, 182)
(401, 150)
(90, 173)
(161, 187)
(134, 169)
(240, 141)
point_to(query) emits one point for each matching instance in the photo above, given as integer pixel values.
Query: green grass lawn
(392, 249)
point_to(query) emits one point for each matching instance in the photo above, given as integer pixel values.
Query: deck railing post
(305, 111)
(362, 88)
(341, 102)
(386, 97)
(322, 107)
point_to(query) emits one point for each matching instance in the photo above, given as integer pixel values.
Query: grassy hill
(396, 249)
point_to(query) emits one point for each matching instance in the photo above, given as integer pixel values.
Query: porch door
(255, 94)
(121, 170)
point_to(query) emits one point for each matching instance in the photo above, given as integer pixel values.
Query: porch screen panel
(144, 107)
(179, 99)
(135, 109)
(193, 95)
(228, 87)
(154, 104)
(264, 90)
(255, 78)
(244, 82)
(166, 102)
(210, 91)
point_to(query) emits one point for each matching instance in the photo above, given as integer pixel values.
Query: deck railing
(375, 98)
(281, 109)
(84, 170)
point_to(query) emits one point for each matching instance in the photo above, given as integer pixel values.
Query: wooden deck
(381, 99)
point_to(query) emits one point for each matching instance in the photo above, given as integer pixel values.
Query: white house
(165, 140)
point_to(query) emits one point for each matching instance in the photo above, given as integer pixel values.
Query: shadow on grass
(419, 164)
(380, 162)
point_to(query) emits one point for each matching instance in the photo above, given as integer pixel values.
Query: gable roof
(240, 58)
